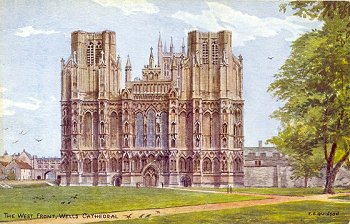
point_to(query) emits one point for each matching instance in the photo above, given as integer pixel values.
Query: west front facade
(179, 124)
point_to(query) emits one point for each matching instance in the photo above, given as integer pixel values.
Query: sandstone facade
(180, 124)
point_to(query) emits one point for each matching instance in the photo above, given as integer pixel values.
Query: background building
(267, 167)
(24, 166)
(180, 124)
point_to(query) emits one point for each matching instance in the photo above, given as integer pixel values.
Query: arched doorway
(150, 177)
(186, 181)
(117, 181)
(50, 175)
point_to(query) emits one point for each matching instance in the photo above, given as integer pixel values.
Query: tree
(314, 84)
(298, 143)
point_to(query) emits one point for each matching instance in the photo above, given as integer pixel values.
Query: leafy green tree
(314, 84)
(298, 143)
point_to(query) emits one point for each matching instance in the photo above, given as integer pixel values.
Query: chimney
(260, 143)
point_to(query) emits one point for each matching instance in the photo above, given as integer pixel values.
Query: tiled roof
(23, 165)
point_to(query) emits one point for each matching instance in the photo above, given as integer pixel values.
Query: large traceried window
(205, 52)
(151, 123)
(215, 52)
(90, 54)
(139, 130)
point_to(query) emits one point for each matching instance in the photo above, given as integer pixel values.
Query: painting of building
(180, 124)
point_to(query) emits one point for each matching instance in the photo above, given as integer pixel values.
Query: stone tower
(181, 124)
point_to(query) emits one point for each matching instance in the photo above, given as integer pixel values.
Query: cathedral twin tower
(180, 124)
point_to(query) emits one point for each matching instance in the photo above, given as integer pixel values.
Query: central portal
(150, 177)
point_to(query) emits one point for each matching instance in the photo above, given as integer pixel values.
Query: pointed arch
(207, 165)
(114, 165)
(237, 164)
(182, 164)
(139, 123)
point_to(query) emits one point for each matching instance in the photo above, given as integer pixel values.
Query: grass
(291, 212)
(26, 184)
(101, 199)
(278, 191)
(343, 197)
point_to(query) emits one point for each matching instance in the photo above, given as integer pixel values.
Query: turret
(128, 70)
(151, 59)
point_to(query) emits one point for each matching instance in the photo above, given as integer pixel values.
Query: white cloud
(130, 7)
(7, 106)
(245, 27)
(29, 30)
(52, 98)
(3, 89)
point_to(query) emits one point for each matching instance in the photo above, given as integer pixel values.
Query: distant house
(21, 170)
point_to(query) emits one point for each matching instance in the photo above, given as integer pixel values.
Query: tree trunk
(330, 178)
(331, 173)
(306, 178)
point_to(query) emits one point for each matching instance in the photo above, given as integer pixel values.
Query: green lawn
(101, 199)
(277, 191)
(344, 197)
(292, 212)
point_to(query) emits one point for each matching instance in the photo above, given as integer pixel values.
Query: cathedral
(179, 124)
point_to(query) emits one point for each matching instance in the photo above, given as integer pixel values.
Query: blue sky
(35, 35)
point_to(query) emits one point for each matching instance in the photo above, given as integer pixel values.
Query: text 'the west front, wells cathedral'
(180, 124)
